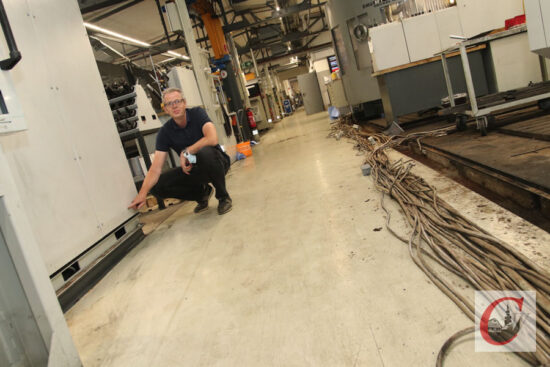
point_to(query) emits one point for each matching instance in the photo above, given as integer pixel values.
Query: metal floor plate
(537, 128)
(519, 158)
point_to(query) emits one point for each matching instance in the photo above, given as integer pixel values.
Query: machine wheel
(483, 124)
(461, 123)
(544, 104)
(483, 129)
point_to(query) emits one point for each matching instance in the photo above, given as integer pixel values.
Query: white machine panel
(517, 71)
(74, 179)
(422, 36)
(184, 79)
(448, 23)
(538, 22)
(24, 280)
(545, 10)
(173, 17)
(477, 16)
(337, 94)
(11, 116)
(323, 73)
(147, 117)
(389, 46)
(259, 113)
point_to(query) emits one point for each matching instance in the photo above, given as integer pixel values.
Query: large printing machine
(394, 49)
(64, 179)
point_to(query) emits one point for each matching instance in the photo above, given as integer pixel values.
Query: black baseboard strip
(80, 287)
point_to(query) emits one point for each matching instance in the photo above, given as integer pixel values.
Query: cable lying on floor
(449, 239)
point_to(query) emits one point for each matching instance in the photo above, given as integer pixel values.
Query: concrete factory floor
(302, 272)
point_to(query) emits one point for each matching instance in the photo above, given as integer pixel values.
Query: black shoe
(203, 204)
(224, 206)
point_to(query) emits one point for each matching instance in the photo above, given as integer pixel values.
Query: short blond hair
(171, 90)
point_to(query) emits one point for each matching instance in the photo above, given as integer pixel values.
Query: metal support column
(543, 68)
(448, 79)
(469, 80)
(237, 66)
(155, 74)
(254, 63)
(194, 53)
(262, 93)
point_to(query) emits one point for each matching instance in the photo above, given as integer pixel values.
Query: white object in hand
(190, 157)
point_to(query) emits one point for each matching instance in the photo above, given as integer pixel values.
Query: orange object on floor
(244, 148)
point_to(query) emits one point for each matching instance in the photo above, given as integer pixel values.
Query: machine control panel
(11, 115)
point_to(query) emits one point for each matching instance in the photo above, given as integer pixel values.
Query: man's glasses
(173, 103)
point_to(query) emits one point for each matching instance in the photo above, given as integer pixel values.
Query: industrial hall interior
(274, 183)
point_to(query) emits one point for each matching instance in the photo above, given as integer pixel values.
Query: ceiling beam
(114, 11)
(289, 37)
(312, 39)
(87, 6)
(306, 5)
(157, 49)
(299, 51)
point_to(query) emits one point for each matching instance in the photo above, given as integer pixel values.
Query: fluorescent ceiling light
(115, 34)
(167, 60)
(278, 8)
(173, 53)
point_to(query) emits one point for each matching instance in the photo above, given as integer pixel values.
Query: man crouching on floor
(192, 135)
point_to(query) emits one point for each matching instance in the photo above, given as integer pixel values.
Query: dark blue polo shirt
(178, 138)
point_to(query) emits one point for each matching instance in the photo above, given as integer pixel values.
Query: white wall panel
(148, 118)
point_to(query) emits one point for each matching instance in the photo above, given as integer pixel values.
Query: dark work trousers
(212, 166)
